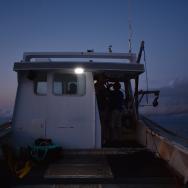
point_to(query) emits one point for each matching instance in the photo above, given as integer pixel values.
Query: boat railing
(5, 129)
(28, 56)
(171, 135)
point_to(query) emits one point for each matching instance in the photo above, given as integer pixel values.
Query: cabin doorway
(115, 106)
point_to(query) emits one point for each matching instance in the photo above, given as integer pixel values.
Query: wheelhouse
(56, 97)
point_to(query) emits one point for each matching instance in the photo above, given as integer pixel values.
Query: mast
(137, 77)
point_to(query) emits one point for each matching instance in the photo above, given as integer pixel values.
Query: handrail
(5, 129)
(167, 131)
(29, 55)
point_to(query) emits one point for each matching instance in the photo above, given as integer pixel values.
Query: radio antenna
(130, 27)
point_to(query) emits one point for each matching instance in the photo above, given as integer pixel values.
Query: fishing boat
(58, 99)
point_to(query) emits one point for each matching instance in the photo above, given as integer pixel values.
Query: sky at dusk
(78, 25)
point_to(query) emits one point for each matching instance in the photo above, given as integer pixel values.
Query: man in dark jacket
(116, 108)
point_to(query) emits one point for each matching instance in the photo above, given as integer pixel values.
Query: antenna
(130, 27)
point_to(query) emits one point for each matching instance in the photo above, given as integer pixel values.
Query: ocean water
(4, 120)
(176, 123)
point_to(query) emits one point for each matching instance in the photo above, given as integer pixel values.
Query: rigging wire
(130, 27)
(130, 45)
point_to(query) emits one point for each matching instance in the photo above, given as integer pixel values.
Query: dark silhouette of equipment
(156, 93)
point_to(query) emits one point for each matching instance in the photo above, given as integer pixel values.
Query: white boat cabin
(56, 97)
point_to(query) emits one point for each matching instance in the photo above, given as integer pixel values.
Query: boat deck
(128, 166)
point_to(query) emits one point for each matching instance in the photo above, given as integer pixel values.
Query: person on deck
(102, 94)
(116, 108)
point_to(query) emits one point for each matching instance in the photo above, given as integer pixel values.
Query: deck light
(79, 70)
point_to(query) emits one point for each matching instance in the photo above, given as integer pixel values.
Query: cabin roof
(129, 68)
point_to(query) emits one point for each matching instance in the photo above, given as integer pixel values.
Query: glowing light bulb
(79, 70)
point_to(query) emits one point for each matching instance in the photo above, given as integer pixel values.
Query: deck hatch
(80, 167)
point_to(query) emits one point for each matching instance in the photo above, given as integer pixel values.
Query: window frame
(67, 94)
(36, 83)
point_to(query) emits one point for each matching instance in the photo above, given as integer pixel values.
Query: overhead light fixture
(79, 70)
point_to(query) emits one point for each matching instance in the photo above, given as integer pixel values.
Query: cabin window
(68, 84)
(40, 87)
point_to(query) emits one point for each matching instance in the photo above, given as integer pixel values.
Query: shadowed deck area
(130, 166)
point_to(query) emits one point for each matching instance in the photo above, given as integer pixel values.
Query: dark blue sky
(77, 25)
